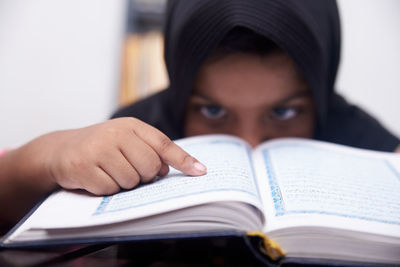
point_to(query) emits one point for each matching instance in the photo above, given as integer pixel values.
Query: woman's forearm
(23, 183)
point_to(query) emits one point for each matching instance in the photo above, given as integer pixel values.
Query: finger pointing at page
(169, 152)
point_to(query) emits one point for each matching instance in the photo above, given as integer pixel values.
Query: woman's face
(253, 97)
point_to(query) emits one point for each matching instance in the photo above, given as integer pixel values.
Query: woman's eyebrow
(306, 93)
(203, 97)
(303, 93)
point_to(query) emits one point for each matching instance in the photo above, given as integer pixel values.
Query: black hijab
(308, 30)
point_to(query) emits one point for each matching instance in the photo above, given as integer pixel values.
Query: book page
(310, 182)
(229, 178)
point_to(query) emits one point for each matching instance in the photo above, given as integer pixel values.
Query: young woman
(258, 69)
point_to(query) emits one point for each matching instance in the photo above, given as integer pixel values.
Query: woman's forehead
(249, 78)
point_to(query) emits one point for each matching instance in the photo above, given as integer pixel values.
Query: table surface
(142, 254)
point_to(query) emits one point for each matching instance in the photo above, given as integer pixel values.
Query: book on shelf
(304, 198)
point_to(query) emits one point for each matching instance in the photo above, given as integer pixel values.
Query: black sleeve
(349, 125)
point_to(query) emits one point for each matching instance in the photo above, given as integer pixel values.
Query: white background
(59, 65)
(60, 62)
(369, 73)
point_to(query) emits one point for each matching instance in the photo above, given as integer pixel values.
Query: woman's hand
(101, 159)
(106, 157)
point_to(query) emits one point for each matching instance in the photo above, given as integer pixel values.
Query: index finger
(169, 152)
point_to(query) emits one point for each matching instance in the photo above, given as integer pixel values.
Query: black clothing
(308, 30)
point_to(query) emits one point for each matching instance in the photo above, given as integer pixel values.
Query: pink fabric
(3, 151)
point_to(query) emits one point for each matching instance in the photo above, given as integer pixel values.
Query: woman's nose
(252, 140)
(253, 135)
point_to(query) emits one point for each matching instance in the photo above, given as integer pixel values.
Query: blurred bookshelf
(143, 69)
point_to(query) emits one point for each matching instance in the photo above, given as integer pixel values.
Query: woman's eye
(213, 112)
(284, 113)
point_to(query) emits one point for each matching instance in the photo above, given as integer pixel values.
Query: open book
(311, 200)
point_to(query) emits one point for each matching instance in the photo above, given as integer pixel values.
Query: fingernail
(199, 167)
